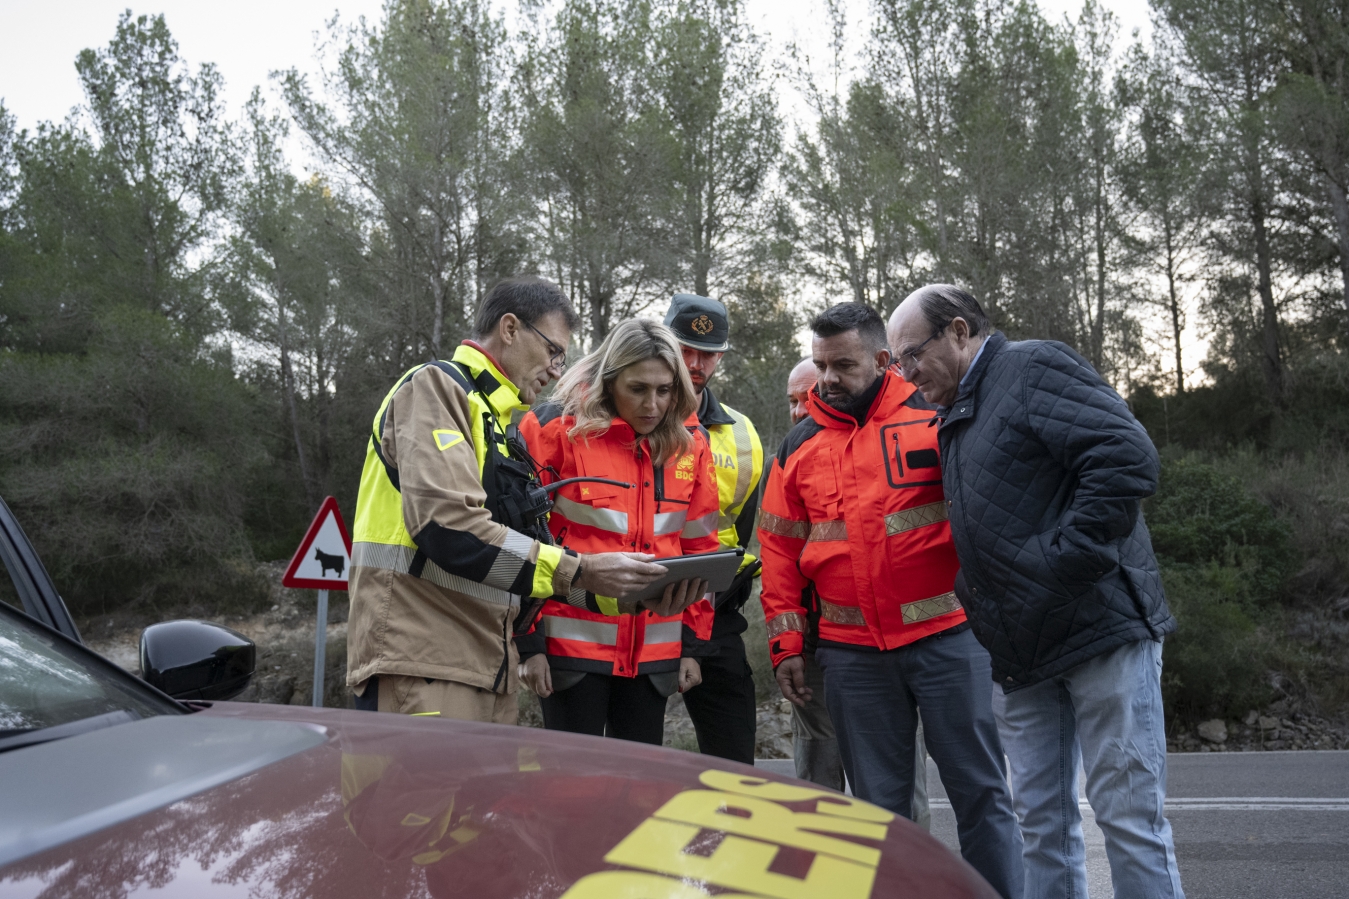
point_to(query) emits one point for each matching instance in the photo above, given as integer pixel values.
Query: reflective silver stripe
(442, 578)
(511, 558)
(604, 519)
(559, 628)
(787, 621)
(668, 522)
(836, 614)
(915, 517)
(825, 531)
(923, 609)
(382, 555)
(744, 466)
(664, 632)
(783, 527)
(396, 557)
(701, 527)
(577, 597)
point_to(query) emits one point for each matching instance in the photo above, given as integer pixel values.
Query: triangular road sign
(323, 560)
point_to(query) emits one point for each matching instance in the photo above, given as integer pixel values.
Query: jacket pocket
(822, 479)
(1076, 563)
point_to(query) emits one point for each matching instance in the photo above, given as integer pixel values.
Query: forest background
(195, 331)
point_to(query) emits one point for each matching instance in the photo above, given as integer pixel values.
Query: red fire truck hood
(381, 805)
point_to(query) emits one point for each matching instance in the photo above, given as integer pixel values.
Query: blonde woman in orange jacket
(626, 412)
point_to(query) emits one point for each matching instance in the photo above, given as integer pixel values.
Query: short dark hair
(528, 298)
(942, 304)
(847, 317)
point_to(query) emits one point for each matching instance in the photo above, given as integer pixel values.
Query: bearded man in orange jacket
(854, 520)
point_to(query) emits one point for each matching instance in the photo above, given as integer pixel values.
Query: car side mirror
(196, 659)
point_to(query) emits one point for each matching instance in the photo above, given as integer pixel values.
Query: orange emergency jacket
(669, 511)
(854, 520)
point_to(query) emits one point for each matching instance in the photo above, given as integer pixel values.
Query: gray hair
(941, 304)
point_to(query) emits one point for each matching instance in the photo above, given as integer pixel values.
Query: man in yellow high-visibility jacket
(723, 707)
(449, 545)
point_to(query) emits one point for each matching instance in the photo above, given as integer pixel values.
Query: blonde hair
(632, 341)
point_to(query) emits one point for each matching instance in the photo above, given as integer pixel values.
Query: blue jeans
(1110, 710)
(875, 699)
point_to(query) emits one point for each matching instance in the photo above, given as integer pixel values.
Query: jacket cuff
(530, 644)
(553, 571)
(783, 643)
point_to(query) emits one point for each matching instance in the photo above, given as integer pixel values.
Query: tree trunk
(288, 387)
(438, 322)
(1269, 316)
(1339, 204)
(1098, 326)
(1174, 299)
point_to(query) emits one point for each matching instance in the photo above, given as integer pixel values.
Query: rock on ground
(1213, 730)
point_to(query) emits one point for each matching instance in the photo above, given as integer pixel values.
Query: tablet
(717, 568)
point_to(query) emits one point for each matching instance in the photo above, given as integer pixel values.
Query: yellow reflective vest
(435, 581)
(738, 457)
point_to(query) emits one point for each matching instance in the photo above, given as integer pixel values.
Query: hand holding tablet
(718, 569)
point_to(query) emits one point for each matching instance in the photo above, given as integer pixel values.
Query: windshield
(46, 681)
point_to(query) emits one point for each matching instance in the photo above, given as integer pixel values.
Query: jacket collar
(622, 431)
(710, 412)
(894, 391)
(963, 406)
(501, 394)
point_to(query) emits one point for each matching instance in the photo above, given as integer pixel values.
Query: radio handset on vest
(539, 499)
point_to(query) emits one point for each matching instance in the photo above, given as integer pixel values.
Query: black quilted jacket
(1045, 470)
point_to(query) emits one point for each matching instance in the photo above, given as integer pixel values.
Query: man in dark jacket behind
(1045, 470)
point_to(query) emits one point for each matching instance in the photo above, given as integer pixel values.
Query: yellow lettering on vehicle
(728, 836)
(830, 803)
(737, 863)
(764, 820)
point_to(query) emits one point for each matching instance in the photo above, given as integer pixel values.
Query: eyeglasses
(557, 354)
(908, 360)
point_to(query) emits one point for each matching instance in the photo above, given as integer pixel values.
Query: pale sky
(248, 38)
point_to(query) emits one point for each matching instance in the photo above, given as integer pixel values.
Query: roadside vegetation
(196, 322)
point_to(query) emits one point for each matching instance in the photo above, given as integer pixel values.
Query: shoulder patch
(797, 437)
(446, 438)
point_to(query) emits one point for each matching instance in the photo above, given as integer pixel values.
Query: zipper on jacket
(505, 651)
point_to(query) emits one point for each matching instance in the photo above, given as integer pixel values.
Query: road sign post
(326, 533)
(320, 648)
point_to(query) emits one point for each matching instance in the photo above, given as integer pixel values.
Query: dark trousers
(722, 706)
(628, 708)
(874, 700)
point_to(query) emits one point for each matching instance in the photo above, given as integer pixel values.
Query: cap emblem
(703, 325)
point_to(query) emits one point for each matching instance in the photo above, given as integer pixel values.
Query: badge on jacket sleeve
(446, 438)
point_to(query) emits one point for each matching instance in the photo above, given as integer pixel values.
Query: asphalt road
(1273, 825)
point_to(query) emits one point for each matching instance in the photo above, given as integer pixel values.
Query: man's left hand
(537, 675)
(690, 674)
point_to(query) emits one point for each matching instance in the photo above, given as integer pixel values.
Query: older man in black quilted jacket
(1045, 471)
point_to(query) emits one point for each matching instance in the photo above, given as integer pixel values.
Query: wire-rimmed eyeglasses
(908, 360)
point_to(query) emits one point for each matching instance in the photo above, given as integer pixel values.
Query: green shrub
(1215, 663)
(1224, 558)
(1202, 517)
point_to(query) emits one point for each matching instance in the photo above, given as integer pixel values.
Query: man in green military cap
(722, 707)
